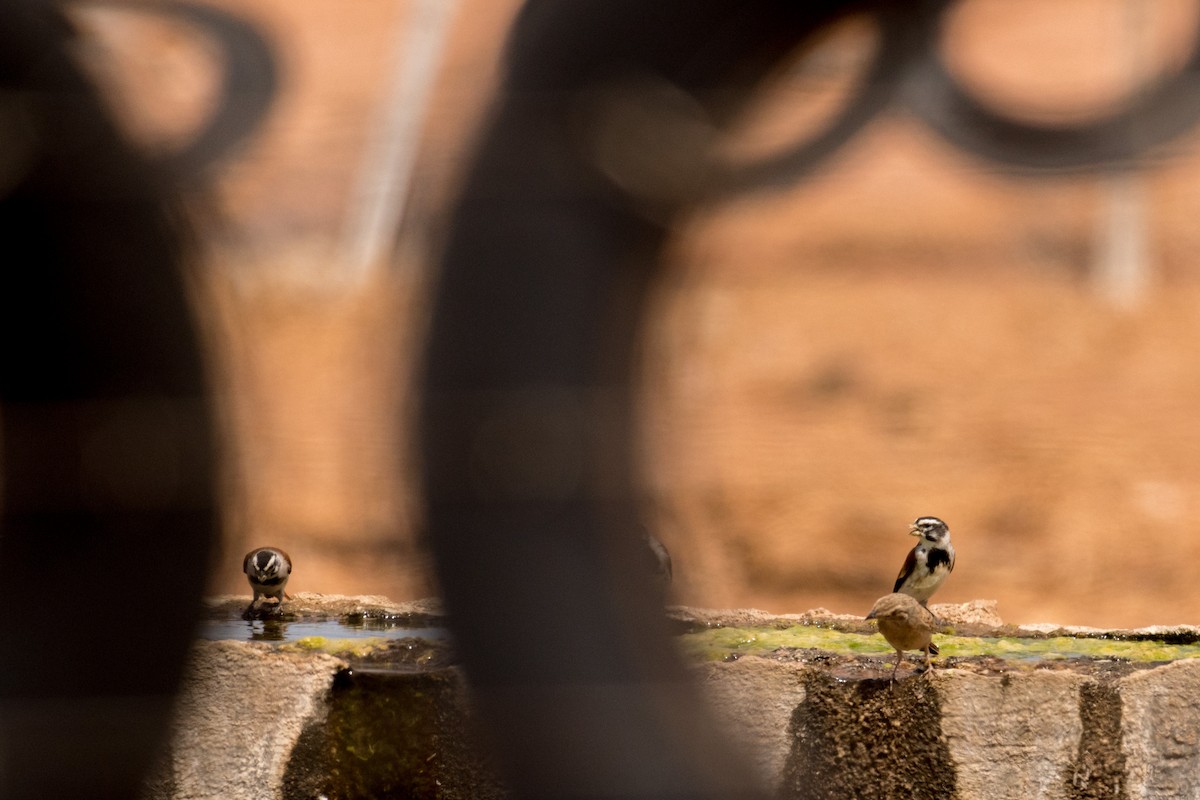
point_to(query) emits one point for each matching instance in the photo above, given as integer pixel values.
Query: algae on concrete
(717, 644)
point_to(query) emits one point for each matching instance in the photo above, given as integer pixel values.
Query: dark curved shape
(249, 83)
(1157, 114)
(905, 35)
(907, 71)
(108, 506)
(526, 417)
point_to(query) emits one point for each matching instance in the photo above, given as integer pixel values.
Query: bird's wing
(910, 563)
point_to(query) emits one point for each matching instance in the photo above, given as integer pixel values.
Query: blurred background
(910, 331)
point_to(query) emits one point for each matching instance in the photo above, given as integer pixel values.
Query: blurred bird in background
(660, 558)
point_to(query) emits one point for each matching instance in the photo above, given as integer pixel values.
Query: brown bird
(268, 570)
(907, 625)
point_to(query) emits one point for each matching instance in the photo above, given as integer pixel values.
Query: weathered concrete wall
(756, 698)
(1035, 734)
(239, 716)
(257, 721)
(1160, 732)
(1010, 738)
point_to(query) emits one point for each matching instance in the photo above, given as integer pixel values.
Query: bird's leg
(899, 658)
(251, 609)
(928, 662)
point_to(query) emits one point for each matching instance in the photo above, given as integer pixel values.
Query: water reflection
(273, 630)
(282, 629)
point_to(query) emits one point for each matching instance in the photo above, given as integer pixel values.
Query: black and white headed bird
(928, 563)
(268, 570)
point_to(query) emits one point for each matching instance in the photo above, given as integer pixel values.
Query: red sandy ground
(908, 333)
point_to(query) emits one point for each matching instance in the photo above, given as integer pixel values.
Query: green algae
(718, 644)
(1064, 647)
(347, 648)
(715, 644)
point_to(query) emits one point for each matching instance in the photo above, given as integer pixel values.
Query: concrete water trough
(360, 697)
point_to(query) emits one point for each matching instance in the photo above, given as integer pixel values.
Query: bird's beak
(915, 531)
(870, 616)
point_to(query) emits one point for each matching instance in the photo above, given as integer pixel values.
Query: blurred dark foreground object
(595, 144)
(107, 432)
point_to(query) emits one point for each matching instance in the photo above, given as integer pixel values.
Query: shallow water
(272, 630)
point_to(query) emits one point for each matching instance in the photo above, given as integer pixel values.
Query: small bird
(907, 625)
(929, 562)
(268, 569)
(660, 559)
